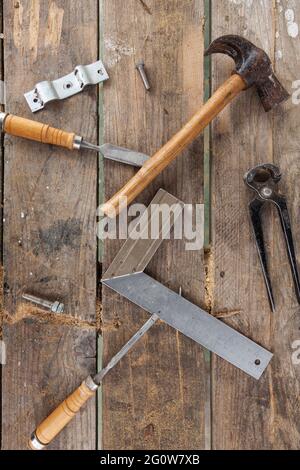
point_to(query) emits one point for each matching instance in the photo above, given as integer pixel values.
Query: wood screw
(55, 307)
(141, 68)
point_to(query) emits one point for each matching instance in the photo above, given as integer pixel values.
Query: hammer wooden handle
(37, 131)
(61, 416)
(155, 165)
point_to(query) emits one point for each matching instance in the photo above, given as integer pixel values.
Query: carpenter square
(126, 276)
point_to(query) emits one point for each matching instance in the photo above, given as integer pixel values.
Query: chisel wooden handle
(155, 165)
(62, 415)
(32, 130)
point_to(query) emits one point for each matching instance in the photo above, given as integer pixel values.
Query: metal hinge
(66, 86)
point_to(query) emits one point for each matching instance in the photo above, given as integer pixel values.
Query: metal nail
(141, 68)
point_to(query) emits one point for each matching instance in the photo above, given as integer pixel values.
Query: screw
(267, 192)
(141, 68)
(55, 307)
(68, 85)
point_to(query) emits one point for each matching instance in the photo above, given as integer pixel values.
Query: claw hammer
(253, 68)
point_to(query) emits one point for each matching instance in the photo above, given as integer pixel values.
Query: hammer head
(254, 66)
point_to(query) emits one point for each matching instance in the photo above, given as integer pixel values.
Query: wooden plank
(50, 202)
(285, 380)
(207, 131)
(1, 177)
(155, 398)
(2, 100)
(246, 414)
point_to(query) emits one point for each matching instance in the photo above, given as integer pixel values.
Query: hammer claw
(254, 66)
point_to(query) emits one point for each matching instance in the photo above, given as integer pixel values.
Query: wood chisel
(66, 411)
(39, 132)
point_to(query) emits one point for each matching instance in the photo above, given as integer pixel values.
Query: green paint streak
(99, 415)
(101, 127)
(99, 403)
(207, 215)
(207, 132)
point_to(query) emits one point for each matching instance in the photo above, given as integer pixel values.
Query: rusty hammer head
(254, 66)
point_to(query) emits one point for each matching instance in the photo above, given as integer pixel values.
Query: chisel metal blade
(126, 348)
(118, 154)
(193, 322)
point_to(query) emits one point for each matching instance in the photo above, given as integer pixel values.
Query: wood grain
(246, 414)
(1, 189)
(49, 232)
(285, 380)
(2, 96)
(155, 398)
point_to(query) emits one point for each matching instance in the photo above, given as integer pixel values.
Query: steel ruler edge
(193, 322)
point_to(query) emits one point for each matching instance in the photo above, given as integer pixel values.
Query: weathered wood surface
(155, 398)
(246, 414)
(2, 98)
(1, 217)
(49, 230)
(286, 329)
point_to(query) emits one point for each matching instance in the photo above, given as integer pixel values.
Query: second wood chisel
(67, 410)
(39, 132)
